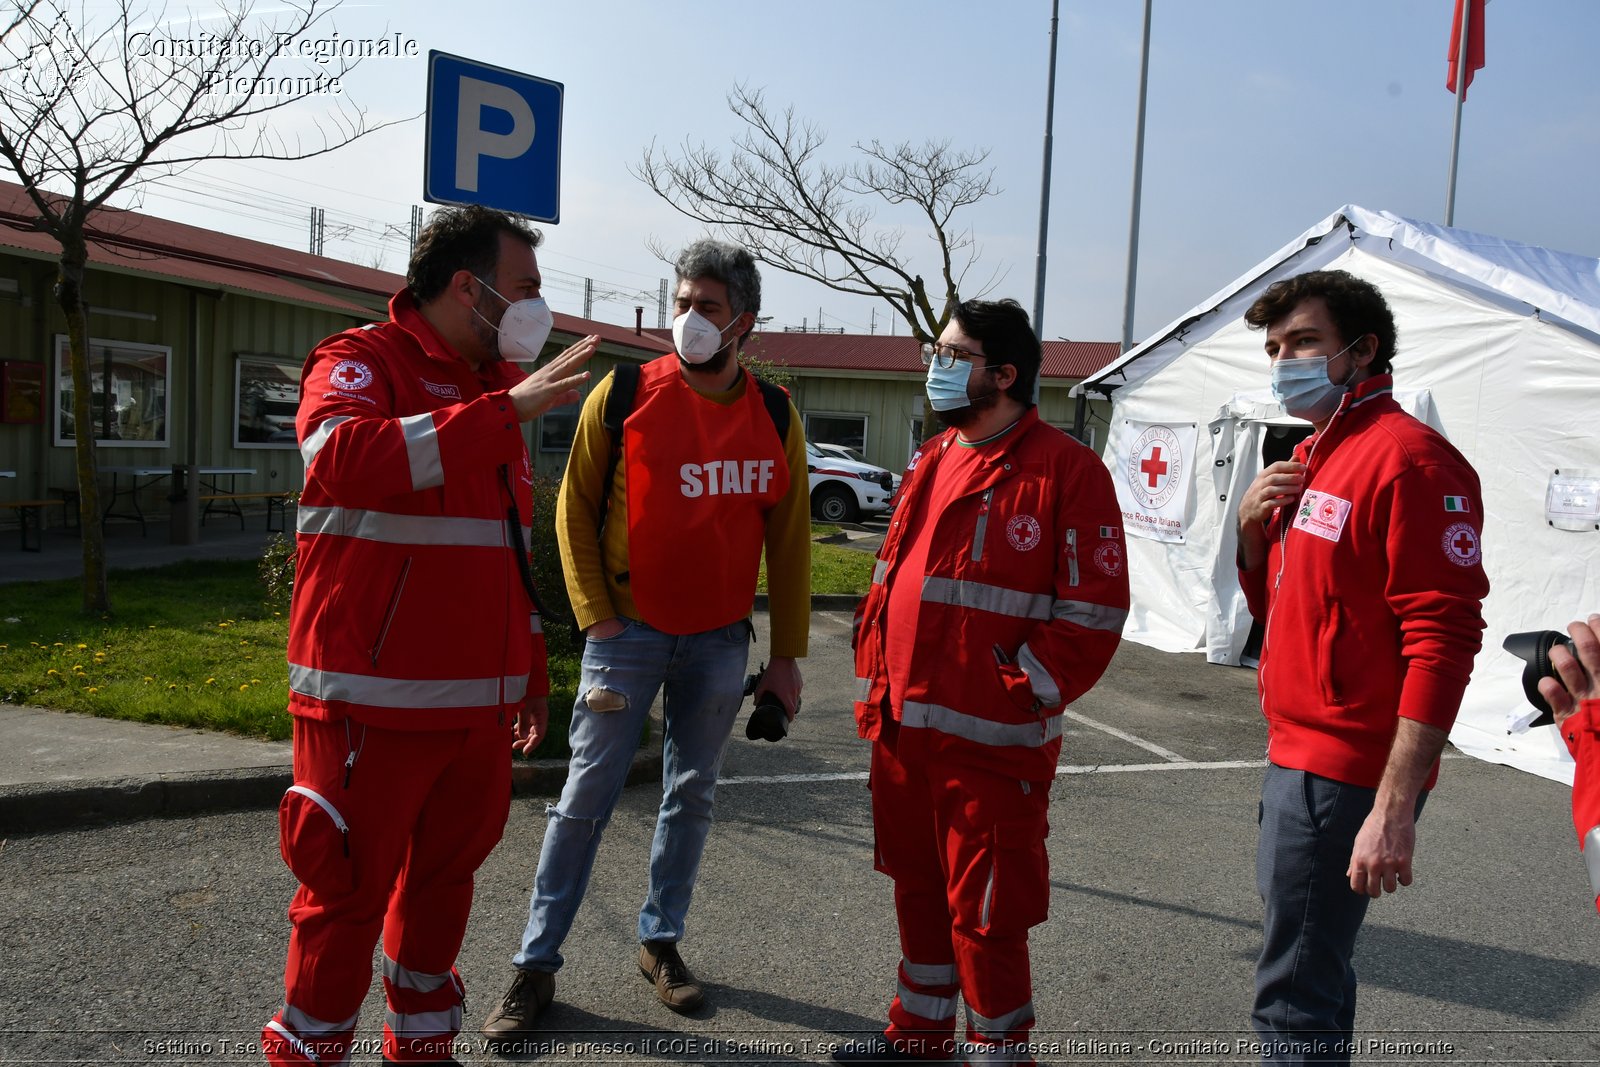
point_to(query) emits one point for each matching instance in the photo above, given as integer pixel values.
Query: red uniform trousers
(420, 811)
(965, 848)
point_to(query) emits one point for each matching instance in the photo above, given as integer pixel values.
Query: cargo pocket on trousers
(314, 840)
(1017, 897)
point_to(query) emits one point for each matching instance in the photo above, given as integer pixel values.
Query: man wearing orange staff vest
(998, 599)
(661, 565)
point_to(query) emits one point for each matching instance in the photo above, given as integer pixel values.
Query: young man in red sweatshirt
(1575, 699)
(1362, 558)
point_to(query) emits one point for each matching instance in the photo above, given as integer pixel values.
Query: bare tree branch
(775, 194)
(91, 106)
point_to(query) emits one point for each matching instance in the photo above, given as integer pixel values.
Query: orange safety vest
(701, 479)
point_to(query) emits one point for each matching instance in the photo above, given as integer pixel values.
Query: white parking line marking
(1148, 746)
(1101, 768)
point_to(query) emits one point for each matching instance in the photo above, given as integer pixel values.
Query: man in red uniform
(1362, 558)
(1575, 699)
(998, 599)
(415, 651)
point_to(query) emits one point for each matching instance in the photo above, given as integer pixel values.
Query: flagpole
(1044, 193)
(1462, 74)
(1138, 181)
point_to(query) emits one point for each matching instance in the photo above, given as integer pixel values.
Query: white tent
(1499, 348)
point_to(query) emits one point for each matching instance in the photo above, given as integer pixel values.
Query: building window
(916, 437)
(129, 384)
(266, 396)
(835, 429)
(557, 429)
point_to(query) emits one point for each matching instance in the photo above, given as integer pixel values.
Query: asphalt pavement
(144, 918)
(161, 940)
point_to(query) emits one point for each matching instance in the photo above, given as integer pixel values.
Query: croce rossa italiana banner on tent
(1156, 477)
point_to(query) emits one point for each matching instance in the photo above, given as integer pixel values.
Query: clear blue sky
(1264, 116)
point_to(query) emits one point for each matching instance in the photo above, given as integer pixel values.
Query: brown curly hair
(461, 238)
(1354, 304)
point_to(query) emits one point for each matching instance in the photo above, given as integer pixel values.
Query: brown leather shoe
(660, 963)
(530, 994)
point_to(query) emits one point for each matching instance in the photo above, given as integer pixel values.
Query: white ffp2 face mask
(696, 338)
(524, 328)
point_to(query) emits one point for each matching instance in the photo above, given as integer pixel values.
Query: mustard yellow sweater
(590, 566)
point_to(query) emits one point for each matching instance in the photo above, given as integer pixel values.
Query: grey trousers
(1305, 1006)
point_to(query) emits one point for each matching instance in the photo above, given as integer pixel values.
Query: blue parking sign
(494, 138)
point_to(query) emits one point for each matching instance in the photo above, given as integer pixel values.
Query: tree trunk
(69, 294)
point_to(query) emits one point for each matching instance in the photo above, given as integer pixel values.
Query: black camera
(1533, 648)
(768, 722)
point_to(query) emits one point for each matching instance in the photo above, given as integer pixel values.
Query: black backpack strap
(619, 405)
(776, 397)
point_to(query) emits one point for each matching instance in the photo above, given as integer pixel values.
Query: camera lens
(768, 722)
(1533, 648)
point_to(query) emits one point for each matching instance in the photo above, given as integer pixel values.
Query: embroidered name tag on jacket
(1323, 515)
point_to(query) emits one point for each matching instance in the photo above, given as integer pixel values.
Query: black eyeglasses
(946, 355)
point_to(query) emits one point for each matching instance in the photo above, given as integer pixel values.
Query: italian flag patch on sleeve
(1455, 503)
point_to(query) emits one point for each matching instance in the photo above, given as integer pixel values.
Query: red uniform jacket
(1030, 561)
(1372, 591)
(1582, 734)
(410, 609)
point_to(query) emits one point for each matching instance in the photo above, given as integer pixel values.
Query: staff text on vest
(725, 476)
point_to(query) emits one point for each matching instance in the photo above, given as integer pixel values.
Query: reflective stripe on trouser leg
(922, 1016)
(999, 1039)
(424, 1013)
(295, 1039)
(461, 822)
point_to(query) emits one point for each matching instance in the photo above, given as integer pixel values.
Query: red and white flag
(1474, 44)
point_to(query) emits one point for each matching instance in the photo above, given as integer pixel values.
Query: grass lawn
(198, 644)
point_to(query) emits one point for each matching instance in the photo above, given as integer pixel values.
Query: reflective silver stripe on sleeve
(527, 535)
(1591, 856)
(879, 569)
(929, 973)
(309, 1025)
(924, 1005)
(1001, 1026)
(959, 724)
(535, 623)
(406, 692)
(295, 1044)
(422, 449)
(863, 689)
(401, 529)
(424, 1023)
(406, 978)
(1044, 686)
(1093, 616)
(992, 598)
(319, 437)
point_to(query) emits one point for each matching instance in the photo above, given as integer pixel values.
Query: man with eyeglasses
(998, 599)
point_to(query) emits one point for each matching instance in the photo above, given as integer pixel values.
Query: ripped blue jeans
(703, 675)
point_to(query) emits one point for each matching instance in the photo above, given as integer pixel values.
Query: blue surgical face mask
(947, 386)
(1303, 388)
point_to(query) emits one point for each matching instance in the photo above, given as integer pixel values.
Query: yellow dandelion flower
(77, 666)
(52, 670)
(58, 644)
(148, 678)
(91, 689)
(210, 681)
(83, 646)
(173, 685)
(242, 688)
(255, 681)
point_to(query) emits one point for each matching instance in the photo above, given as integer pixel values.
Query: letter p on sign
(494, 138)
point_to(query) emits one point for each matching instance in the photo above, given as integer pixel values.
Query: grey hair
(728, 264)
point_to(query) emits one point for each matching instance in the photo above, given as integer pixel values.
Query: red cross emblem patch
(349, 375)
(1461, 545)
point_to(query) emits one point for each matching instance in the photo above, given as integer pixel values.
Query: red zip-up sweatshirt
(1372, 590)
